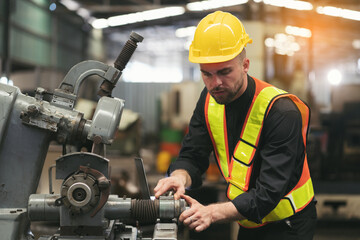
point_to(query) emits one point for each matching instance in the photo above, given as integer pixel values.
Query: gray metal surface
(13, 223)
(71, 162)
(68, 219)
(169, 208)
(66, 95)
(78, 73)
(118, 208)
(22, 150)
(128, 232)
(41, 207)
(64, 122)
(165, 231)
(8, 96)
(106, 119)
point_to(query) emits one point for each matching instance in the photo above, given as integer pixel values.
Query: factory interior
(60, 59)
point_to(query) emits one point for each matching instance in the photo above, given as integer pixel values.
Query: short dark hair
(242, 55)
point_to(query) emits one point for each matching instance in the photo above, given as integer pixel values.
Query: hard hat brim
(215, 59)
(212, 59)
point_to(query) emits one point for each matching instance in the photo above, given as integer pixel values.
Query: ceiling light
(185, 32)
(145, 16)
(334, 77)
(150, 73)
(212, 4)
(283, 44)
(7, 81)
(4, 80)
(162, 13)
(292, 4)
(124, 19)
(339, 12)
(70, 4)
(187, 45)
(297, 31)
(100, 23)
(356, 44)
(294, 47)
(84, 13)
(269, 42)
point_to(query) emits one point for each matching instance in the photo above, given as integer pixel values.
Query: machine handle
(127, 51)
(120, 62)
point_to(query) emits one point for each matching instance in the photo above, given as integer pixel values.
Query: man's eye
(206, 74)
(225, 72)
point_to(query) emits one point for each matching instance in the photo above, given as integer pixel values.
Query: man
(258, 135)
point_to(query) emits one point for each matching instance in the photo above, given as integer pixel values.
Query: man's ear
(246, 65)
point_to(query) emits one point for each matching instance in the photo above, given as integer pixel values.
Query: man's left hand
(198, 216)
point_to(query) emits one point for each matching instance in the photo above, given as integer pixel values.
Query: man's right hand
(178, 181)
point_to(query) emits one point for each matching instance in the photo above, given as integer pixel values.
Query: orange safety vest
(238, 168)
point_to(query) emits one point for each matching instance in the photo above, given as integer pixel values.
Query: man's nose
(216, 81)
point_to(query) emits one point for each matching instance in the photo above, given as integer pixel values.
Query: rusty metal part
(80, 130)
(32, 110)
(106, 89)
(98, 147)
(145, 211)
(166, 208)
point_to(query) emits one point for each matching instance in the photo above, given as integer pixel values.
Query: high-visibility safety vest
(237, 168)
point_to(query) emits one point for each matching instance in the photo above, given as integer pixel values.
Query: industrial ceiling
(338, 33)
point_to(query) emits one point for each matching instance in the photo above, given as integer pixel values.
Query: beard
(227, 95)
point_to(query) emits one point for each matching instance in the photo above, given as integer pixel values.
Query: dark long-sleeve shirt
(278, 161)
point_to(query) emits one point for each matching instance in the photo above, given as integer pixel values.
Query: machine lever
(127, 51)
(144, 187)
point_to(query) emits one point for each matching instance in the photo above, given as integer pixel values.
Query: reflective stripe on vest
(292, 203)
(245, 149)
(216, 124)
(237, 172)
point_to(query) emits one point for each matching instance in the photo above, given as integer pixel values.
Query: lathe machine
(84, 209)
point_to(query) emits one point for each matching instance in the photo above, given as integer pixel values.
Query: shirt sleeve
(196, 146)
(281, 155)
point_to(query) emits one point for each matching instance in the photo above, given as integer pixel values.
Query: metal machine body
(84, 208)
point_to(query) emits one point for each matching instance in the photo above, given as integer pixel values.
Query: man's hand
(197, 217)
(200, 217)
(178, 181)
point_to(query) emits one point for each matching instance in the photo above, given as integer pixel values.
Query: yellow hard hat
(219, 37)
